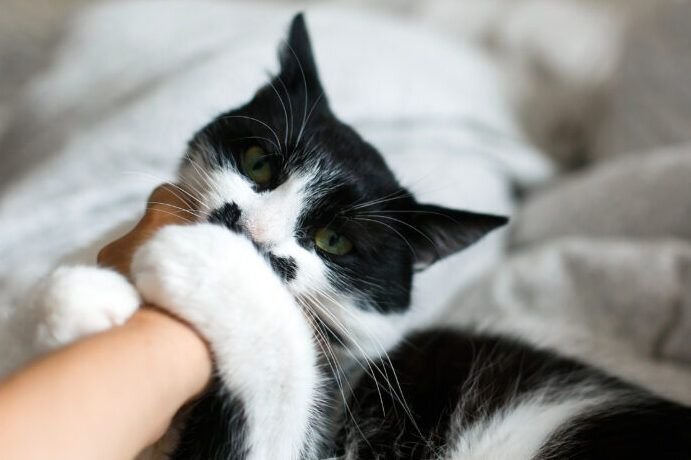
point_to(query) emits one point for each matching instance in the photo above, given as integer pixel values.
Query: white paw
(74, 302)
(202, 273)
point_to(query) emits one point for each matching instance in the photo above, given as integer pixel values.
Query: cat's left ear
(436, 232)
(298, 68)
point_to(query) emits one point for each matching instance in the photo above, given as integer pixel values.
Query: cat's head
(320, 202)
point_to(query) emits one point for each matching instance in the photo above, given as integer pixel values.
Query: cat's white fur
(73, 302)
(519, 430)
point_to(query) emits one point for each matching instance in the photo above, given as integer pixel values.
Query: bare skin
(110, 395)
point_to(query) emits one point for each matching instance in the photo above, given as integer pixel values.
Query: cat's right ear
(298, 67)
(435, 232)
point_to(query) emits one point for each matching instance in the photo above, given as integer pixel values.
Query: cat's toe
(74, 302)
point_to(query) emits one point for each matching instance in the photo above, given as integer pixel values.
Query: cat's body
(299, 273)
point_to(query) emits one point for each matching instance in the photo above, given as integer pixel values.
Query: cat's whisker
(175, 188)
(337, 371)
(285, 114)
(315, 320)
(196, 200)
(384, 356)
(309, 114)
(410, 246)
(397, 195)
(367, 367)
(342, 327)
(247, 117)
(410, 211)
(208, 182)
(195, 214)
(170, 213)
(304, 80)
(290, 106)
(412, 227)
(277, 147)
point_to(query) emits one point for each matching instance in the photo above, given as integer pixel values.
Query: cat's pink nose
(257, 233)
(263, 234)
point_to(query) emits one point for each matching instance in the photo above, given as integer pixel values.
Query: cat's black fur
(448, 378)
(448, 375)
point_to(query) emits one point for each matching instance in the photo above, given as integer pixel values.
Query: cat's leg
(69, 303)
(264, 352)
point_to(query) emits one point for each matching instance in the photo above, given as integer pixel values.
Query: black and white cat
(299, 273)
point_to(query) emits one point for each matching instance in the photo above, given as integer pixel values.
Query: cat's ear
(298, 68)
(435, 232)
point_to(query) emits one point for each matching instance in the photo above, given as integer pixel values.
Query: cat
(299, 272)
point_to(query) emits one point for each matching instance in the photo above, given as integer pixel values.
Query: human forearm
(105, 397)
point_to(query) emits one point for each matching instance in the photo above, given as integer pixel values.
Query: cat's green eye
(257, 166)
(329, 241)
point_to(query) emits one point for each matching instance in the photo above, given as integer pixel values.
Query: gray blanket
(601, 269)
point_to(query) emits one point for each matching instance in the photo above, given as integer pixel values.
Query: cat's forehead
(337, 161)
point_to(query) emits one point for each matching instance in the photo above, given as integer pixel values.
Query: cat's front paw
(217, 281)
(73, 302)
(202, 273)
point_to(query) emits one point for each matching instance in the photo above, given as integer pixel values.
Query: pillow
(634, 196)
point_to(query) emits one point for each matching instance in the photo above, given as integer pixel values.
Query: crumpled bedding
(601, 260)
(599, 266)
(620, 303)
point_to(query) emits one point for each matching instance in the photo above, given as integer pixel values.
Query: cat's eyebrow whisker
(285, 114)
(409, 211)
(276, 147)
(412, 227)
(247, 117)
(304, 80)
(290, 106)
(309, 114)
(410, 246)
(397, 195)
